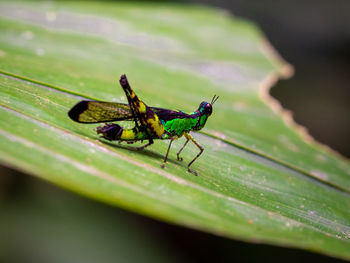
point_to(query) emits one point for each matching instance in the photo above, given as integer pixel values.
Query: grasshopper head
(205, 110)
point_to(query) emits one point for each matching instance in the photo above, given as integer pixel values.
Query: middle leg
(166, 156)
(178, 153)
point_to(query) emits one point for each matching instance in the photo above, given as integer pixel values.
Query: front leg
(189, 137)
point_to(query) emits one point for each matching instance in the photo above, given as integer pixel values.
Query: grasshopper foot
(163, 165)
(192, 171)
(142, 147)
(179, 158)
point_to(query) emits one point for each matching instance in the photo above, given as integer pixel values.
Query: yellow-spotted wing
(87, 111)
(99, 111)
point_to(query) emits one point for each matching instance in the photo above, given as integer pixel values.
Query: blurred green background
(42, 223)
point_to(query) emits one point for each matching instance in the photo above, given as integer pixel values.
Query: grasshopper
(150, 122)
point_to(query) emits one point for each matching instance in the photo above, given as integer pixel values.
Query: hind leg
(134, 102)
(138, 109)
(149, 121)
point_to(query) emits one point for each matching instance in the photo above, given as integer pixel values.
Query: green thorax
(192, 122)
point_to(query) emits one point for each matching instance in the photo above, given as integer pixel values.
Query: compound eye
(208, 109)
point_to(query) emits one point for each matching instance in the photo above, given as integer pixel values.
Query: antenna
(214, 99)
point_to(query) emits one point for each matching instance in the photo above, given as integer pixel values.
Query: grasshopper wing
(87, 111)
(166, 114)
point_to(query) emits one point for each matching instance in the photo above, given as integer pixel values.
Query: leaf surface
(259, 179)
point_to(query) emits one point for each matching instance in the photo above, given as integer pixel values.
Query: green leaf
(261, 178)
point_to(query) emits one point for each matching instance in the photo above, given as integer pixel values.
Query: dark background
(313, 36)
(42, 223)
